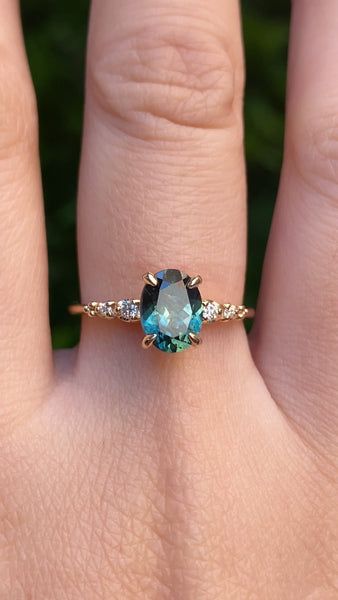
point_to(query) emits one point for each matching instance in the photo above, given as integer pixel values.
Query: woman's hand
(211, 474)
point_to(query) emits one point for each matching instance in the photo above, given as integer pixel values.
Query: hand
(211, 474)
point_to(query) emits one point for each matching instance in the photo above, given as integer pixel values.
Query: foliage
(55, 35)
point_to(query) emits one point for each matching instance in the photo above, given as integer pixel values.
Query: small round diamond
(128, 310)
(106, 309)
(229, 312)
(210, 310)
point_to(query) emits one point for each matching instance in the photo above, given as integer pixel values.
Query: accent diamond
(211, 310)
(229, 312)
(106, 309)
(128, 310)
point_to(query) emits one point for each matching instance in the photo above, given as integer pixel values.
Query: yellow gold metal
(194, 281)
(250, 313)
(150, 279)
(148, 340)
(195, 340)
(76, 309)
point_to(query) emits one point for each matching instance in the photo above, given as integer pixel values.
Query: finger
(162, 176)
(296, 334)
(24, 330)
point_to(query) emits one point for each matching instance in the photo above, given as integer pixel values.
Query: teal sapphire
(171, 310)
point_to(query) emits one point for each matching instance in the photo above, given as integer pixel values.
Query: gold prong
(242, 312)
(92, 307)
(148, 340)
(195, 340)
(194, 281)
(150, 279)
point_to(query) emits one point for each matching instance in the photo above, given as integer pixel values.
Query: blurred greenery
(55, 36)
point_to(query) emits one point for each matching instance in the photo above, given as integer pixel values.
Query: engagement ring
(171, 310)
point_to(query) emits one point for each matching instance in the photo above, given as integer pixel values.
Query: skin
(211, 474)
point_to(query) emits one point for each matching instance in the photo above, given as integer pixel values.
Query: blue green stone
(171, 310)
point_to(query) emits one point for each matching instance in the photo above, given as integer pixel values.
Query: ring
(171, 310)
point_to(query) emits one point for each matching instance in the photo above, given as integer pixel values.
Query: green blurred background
(55, 35)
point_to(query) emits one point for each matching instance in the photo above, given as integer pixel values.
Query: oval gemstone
(171, 310)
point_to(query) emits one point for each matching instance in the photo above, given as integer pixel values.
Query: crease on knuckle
(176, 77)
(18, 114)
(314, 149)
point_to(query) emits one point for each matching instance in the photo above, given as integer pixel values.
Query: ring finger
(162, 176)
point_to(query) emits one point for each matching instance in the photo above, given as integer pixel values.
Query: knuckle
(18, 114)
(314, 149)
(175, 78)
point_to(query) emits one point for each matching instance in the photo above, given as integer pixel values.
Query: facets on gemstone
(211, 310)
(229, 312)
(171, 310)
(128, 310)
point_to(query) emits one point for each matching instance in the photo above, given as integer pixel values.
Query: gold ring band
(171, 310)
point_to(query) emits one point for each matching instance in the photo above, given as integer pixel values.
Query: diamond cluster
(213, 311)
(127, 309)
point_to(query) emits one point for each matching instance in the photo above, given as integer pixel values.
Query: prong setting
(150, 279)
(195, 340)
(148, 340)
(194, 281)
